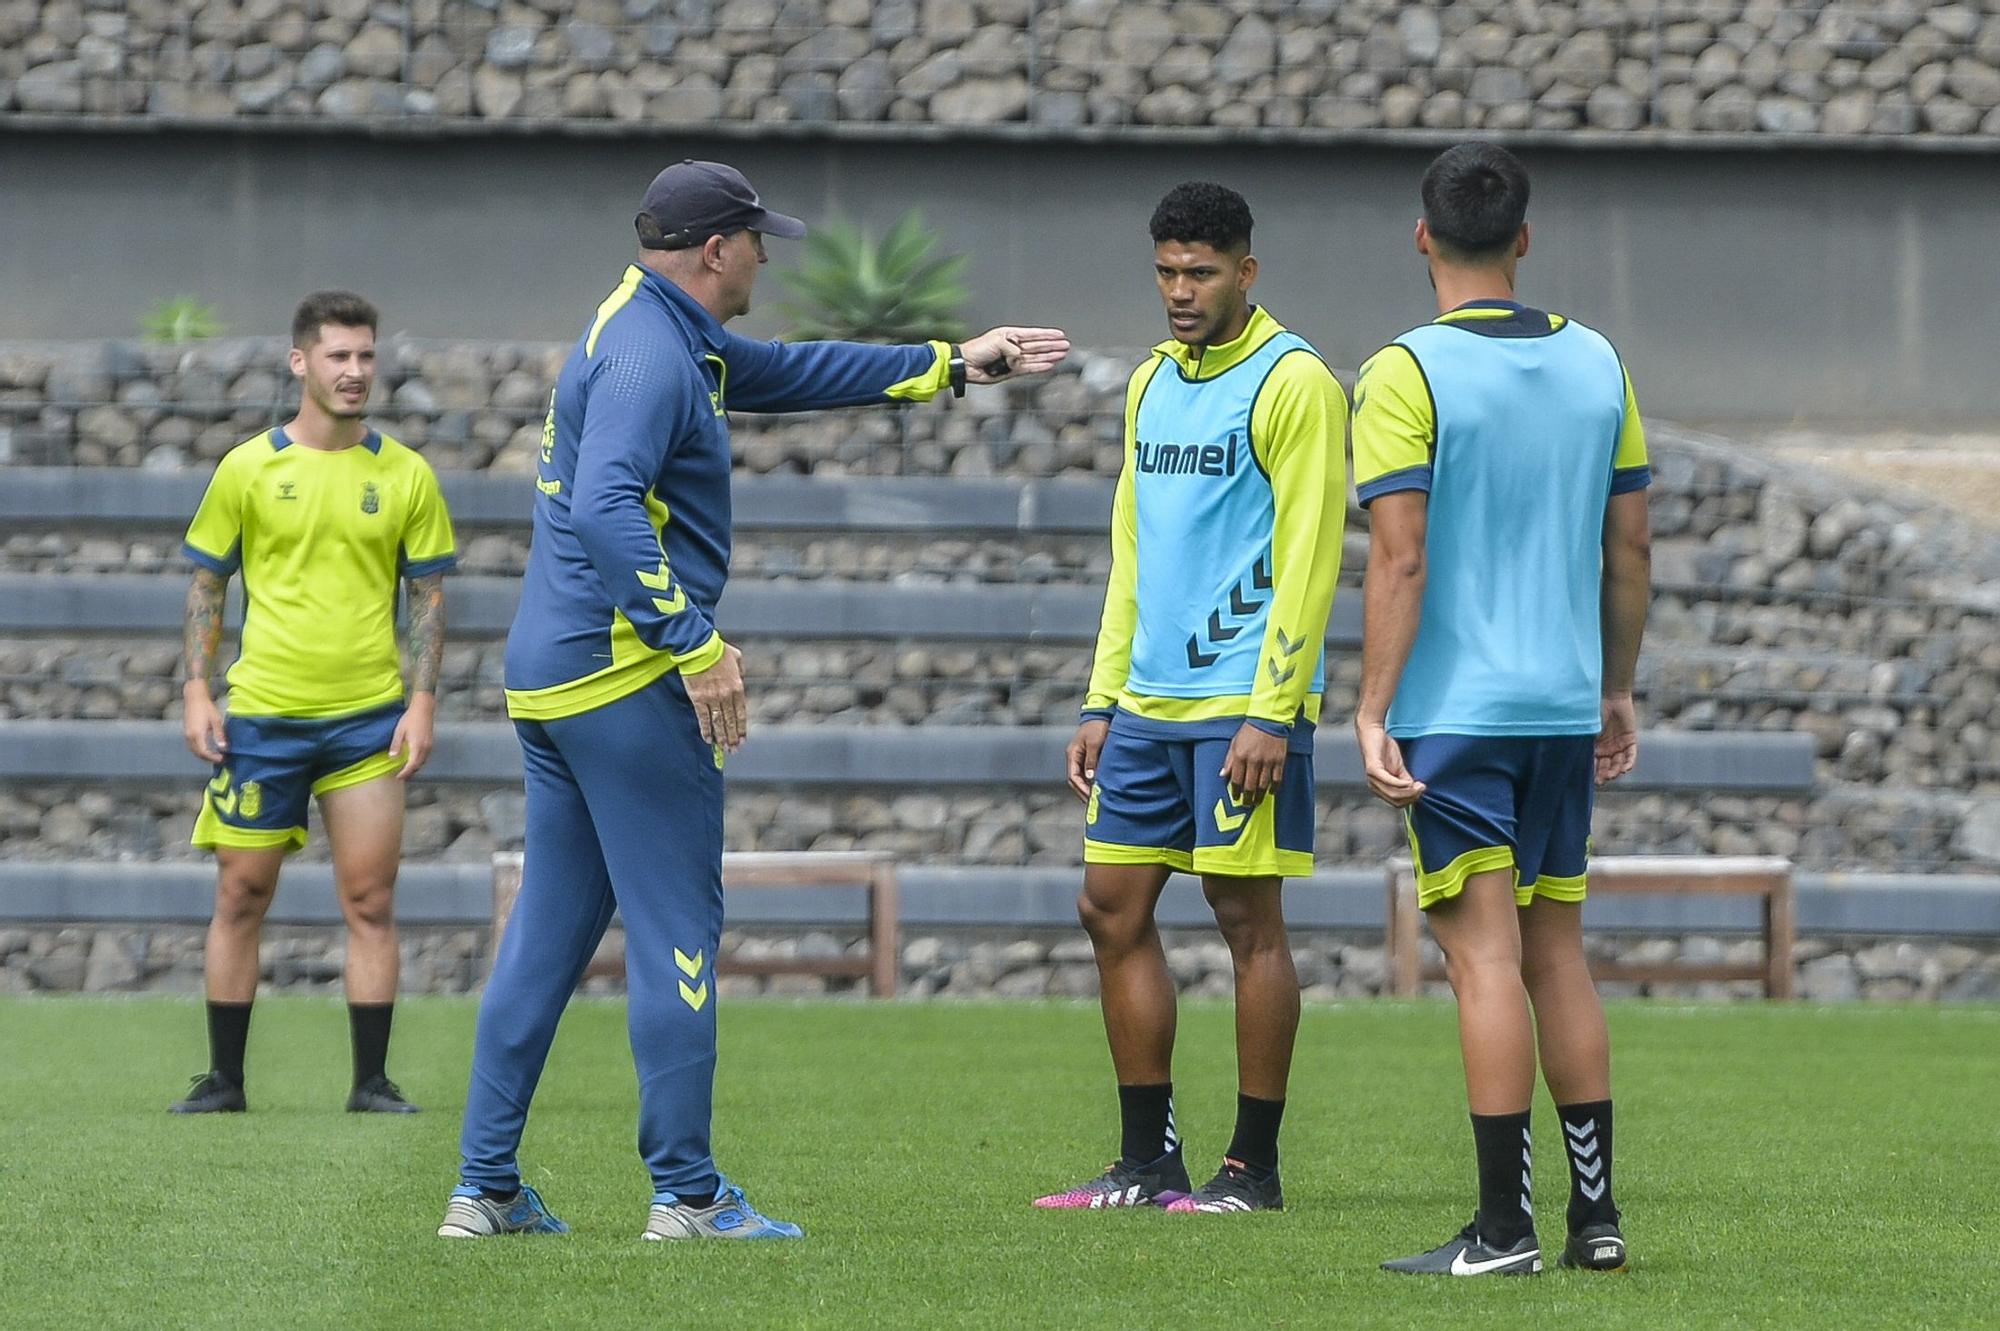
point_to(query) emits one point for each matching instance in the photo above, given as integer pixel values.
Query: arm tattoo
(202, 630)
(426, 596)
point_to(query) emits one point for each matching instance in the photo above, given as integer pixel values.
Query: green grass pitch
(1781, 1167)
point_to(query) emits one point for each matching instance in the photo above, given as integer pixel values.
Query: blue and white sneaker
(472, 1215)
(729, 1216)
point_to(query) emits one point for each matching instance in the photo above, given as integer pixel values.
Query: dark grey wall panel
(934, 897)
(485, 753)
(1775, 284)
(132, 497)
(483, 607)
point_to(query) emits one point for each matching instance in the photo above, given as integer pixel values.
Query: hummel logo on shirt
(1187, 459)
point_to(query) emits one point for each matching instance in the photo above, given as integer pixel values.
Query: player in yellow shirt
(321, 516)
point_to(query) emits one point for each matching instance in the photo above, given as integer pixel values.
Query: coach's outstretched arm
(808, 376)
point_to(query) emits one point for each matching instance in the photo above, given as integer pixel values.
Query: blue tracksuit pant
(624, 811)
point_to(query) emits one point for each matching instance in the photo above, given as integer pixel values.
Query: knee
(1250, 928)
(1550, 963)
(1476, 972)
(1112, 928)
(242, 898)
(369, 906)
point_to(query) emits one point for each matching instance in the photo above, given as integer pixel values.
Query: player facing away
(321, 516)
(1195, 748)
(1500, 455)
(626, 698)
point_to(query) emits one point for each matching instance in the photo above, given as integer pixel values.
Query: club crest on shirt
(371, 498)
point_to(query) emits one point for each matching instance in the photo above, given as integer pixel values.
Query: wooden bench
(874, 872)
(1767, 877)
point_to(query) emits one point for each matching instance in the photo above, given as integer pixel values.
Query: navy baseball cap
(691, 201)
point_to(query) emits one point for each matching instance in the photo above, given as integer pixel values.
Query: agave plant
(853, 289)
(180, 319)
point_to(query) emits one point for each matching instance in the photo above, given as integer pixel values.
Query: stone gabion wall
(1888, 68)
(480, 405)
(861, 557)
(1922, 719)
(1842, 829)
(1788, 601)
(56, 958)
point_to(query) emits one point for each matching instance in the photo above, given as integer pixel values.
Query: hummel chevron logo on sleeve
(660, 582)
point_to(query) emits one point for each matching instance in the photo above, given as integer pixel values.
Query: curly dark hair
(1201, 212)
(343, 309)
(1475, 199)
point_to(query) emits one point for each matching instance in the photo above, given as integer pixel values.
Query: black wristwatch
(956, 366)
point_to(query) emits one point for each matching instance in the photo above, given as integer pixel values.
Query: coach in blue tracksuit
(625, 695)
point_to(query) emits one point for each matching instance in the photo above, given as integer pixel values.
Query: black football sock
(1506, 1159)
(369, 1024)
(1147, 1115)
(1587, 1143)
(1256, 1141)
(228, 1033)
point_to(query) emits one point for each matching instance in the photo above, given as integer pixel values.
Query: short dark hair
(1475, 199)
(342, 308)
(1205, 213)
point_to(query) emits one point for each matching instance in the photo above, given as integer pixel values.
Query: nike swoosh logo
(1461, 1267)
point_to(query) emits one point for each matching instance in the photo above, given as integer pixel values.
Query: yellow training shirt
(320, 539)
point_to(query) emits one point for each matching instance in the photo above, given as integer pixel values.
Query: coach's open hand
(1382, 761)
(1254, 765)
(1007, 353)
(415, 734)
(719, 705)
(1084, 746)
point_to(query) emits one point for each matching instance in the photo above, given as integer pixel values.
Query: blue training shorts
(1497, 802)
(1163, 802)
(275, 765)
